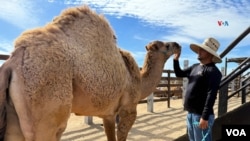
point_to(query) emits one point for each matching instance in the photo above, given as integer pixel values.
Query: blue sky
(138, 22)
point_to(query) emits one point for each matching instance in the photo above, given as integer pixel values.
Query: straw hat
(211, 45)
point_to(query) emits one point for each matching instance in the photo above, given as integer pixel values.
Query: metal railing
(244, 66)
(235, 42)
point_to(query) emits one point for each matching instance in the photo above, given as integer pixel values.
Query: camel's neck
(151, 74)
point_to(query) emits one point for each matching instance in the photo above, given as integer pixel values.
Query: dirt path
(165, 124)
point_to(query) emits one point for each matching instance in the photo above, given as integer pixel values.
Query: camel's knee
(126, 120)
(127, 114)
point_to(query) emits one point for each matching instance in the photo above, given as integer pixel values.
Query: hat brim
(195, 48)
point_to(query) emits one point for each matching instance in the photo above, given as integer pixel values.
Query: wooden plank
(168, 71)
(162, 85)
(155, 100)
(160, 92)
(171, 78)
(175, 85)
(164, 78)
(166, 85)
(176, 91)
(4, 57)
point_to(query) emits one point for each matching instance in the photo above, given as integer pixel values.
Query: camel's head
(166, 48)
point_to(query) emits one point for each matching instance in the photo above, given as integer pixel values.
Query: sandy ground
(164, 124)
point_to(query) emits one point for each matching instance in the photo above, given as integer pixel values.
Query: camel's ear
(152, 47)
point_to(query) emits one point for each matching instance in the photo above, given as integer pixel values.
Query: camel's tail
(4, 85)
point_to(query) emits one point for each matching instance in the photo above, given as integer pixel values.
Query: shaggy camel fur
(70, 65)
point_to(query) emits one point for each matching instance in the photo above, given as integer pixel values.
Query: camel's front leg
(109, 125)
(2, 122)
(127, 119)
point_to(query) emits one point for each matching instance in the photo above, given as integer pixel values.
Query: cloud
(198, 19)
(190, 19)
(5, 47)
(186, 21)
(138, 37)
(185, 39)
(20, 13)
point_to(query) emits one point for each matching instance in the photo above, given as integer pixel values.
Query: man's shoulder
(214, 70)
(196, 64)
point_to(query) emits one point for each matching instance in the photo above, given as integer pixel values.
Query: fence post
(169, 89)
(88, 120)
(243, 93)
(150, 103)
(223, 97)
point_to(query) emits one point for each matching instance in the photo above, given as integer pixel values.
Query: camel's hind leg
(52, 117)
(13, 132)
(41, 115)
(51, 127)
(48, 128)
(127, 117)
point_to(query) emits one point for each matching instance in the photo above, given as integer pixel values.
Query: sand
(164, 124)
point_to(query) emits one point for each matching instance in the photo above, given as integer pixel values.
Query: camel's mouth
(167, 48)
(173, 47)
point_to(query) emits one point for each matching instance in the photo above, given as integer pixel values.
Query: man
(203, 83)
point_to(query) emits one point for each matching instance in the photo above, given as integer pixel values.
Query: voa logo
(223, 23)
(236, 132)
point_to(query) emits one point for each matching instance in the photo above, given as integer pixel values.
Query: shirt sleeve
(214, 78)
(178, 71)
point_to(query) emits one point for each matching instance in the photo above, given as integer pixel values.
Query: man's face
(204, 55)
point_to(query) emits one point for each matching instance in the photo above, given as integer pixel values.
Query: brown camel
(72, 64)
(158, 53)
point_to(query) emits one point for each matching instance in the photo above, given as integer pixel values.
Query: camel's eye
(167, 46)
(155, 46)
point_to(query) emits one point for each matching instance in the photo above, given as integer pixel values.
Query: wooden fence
(169, 86)
(4, 57)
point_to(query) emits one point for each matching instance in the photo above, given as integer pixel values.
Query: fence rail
(223, 96)
(169, 86)
(4, 57)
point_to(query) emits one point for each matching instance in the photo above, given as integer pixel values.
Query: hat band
(211, 45)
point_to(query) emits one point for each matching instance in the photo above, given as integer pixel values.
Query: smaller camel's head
(166, 48)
